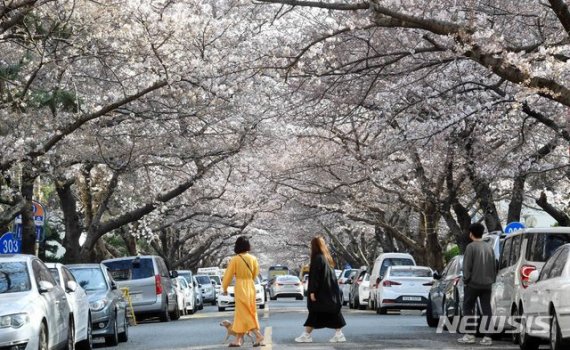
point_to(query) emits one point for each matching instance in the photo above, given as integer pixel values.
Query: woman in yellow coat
(244, 268)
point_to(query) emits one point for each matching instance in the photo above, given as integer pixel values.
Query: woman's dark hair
(242, 245)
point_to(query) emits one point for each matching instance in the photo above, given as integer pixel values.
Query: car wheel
(300, 297)
(262, 306)
(220, 309)
(70, 335)
(214, 303)
(526, 341)
(381, 310)
(113, 339)
(165, 315)
(272, 298)
(124, 335)
(87, 343)
(430, 319)
(556, 340)
(43, 338)
(516, 317)
(176, 313)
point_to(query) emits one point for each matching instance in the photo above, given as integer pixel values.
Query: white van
(381, 264)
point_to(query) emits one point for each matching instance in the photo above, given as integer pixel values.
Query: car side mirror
(45, 286)
(113, 285)
(533, 277)
(436, 276)
(173, 274)
(71, 286)
(378, 281)
(213, 283)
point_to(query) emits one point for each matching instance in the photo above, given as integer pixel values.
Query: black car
(445, 298)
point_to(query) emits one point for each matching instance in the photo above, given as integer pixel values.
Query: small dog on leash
(230, 333)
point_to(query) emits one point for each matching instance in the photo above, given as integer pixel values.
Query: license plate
(412, 298)
(136, 297)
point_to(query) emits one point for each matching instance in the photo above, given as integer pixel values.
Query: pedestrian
(243, 267)
(323, 295)
(479, 274)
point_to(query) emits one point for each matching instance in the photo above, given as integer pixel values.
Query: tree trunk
(27, 190)
(517, 197)
(430, 251)
(561, 217)
(71, 221)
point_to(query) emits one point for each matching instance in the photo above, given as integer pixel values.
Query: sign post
(39, 221)
(514, 226)
(9, 244)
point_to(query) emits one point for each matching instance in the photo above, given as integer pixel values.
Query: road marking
(266, 311)
(267, 338)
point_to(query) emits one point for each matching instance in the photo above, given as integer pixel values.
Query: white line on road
(268, 341)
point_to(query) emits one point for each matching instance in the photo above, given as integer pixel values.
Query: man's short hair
(477, 230)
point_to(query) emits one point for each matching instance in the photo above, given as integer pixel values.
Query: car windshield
(187, 276)
(91, 279)
(14, 277)
(410, 273)
(203, 279)
(394, 262)
(55, 274)
(131, 269)
(216, 279)
(288, 279)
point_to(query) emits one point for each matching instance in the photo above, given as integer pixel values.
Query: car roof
(52, 265)
(393, 255)
(130, 258)
(17, 257)
(83, 266)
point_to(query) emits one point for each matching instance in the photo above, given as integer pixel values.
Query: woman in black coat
(324, 299)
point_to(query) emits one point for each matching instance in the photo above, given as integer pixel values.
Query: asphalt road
(282, 321)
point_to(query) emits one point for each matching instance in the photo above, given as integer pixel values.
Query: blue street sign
(514, 226)
(9, 244)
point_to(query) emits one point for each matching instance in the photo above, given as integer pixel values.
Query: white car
(305, 284)
(225, 301)
(546, 305)
(404, 287)
(78, 304)
(184, 295)
(34, 312)
(344, 283)
(381, 264)
(286, 286)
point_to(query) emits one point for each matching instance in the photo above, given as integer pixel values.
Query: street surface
(282, 321)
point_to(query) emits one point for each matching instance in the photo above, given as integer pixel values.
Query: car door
(55, 304)
(536, 306)
(546, 293)
(438, 290)
(499, 298)
(79, 302)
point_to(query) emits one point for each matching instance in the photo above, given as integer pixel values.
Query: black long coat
(321, 279)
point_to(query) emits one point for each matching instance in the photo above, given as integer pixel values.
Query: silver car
(198, 293)
(208, 289)
(78, 305)
(108, 307)
(149, 283)
(34, 312)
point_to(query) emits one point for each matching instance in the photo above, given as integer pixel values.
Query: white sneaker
(467, 339)
(338, 338)
(304, 338)
(487, 341)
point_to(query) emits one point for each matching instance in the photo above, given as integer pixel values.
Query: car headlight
(98, 305)
(14, 320)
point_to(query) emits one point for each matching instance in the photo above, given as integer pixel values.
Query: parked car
(228, 300)
(404, 287)
(445, 297)
(208, 288)
(198, 293)
(108, 307)
(523, 252)
(343, 282)
(305, 284)
(34, 312)
(381, 264)
(285, 286)
(359, 292)
(78, 305)
(149, 283)
(547, 295)
(217, 283)
(185, 294)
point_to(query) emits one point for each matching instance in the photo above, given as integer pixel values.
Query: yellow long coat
(245, 316)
